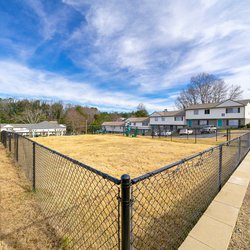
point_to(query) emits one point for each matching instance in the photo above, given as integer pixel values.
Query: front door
(190, 123)
(219, 123)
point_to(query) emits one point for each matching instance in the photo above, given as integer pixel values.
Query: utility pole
(86, 126)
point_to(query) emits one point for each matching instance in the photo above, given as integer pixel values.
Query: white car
(166, 133)
(185, 131)
(208, 129)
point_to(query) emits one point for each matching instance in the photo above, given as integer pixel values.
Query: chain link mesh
(167, 205)
(83, 204)
(25, 156)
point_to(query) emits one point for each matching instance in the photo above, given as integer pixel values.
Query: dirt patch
(241, 235)
(21, 224)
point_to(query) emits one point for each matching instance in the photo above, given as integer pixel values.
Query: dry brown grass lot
(21, 224)
(117, 155)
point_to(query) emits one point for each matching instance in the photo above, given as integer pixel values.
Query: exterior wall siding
(215, 113)
(166, 121)
(115, 129)
(247, 112)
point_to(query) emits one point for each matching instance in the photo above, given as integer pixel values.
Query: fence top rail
(157, 171)
(98, 172)
(136, 179)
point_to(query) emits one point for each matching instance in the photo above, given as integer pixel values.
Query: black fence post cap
(125, 178)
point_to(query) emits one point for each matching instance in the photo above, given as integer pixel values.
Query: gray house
(43, 128)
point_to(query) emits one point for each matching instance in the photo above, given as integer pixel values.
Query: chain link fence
(92, 210)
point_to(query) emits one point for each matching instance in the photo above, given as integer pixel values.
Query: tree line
(202, 88)
(77, 118)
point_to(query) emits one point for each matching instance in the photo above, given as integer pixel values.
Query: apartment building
(228, 113)
(168, 120)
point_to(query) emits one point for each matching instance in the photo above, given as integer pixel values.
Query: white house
(168, 120)
(228, 113)
(43, 128)
(114, 127)
(141, 124)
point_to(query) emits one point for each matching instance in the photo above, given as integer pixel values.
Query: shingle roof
(244, 102)
(214, 105)
(203, 105)
(137, 119)
(169, 113)
(118, 123)
(41, 125)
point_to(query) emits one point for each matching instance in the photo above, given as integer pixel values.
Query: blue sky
(117, 54)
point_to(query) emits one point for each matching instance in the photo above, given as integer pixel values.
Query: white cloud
(145, 47)
(162, 43)
(17, 79)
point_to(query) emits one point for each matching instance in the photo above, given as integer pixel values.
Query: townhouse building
(168, 120)
(141, 124)
(44, 128)
(228, 113)
(114, 126)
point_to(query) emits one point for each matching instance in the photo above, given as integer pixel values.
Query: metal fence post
(125, 187)
(9, 142)
(34, 168)
(220, 167)
(239, 151)
(195, 135)
(17, 147)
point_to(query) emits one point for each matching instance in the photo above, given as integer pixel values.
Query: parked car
(166, 133)
(185, 131)
(208, 129)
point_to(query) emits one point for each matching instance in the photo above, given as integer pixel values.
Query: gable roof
(244, 102)
(214, 105)
(137, 119)
(168, 113)
(115, 123)
(40, 125)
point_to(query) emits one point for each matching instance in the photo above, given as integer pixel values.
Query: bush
(248, 125)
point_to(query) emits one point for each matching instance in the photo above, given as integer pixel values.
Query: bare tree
(31, 116)
(141, 111)
(206, 88)
(75, 121)
(234, 92)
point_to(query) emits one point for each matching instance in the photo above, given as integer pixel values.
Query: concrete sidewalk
(215, 227)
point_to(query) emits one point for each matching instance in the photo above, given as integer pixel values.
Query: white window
(207, 111)
(163, 119)
(178, 118)
(232, 110)
(233, 122)
(156, 119)
(196, 112)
